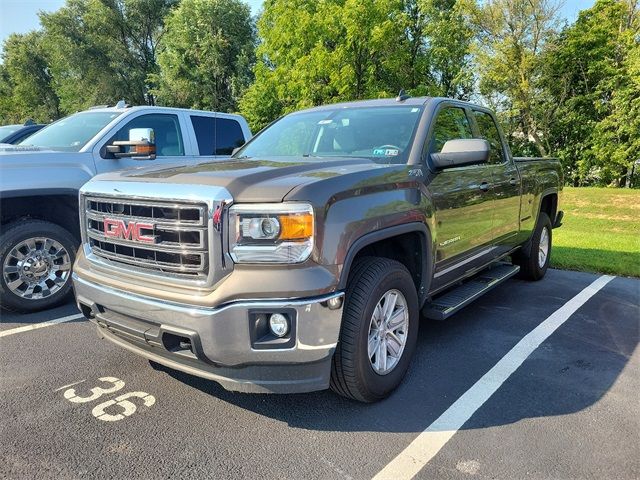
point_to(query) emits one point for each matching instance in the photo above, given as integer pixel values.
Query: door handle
(513, 181)
(484, 186)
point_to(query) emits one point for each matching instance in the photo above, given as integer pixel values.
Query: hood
(250, 180)
(24, 156)
(8, 149)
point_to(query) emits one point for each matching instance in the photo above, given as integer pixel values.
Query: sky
(21, 16)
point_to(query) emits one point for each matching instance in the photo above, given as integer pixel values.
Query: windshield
(8, 130)
(381, 133)
(70, 134)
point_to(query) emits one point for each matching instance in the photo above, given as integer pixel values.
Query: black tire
(527, 257)
(15, 233)
(352, 374)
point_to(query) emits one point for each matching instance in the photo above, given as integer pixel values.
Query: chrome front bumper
(220, 343)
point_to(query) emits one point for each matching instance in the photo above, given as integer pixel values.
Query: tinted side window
(167, 132)
(228, 136)
(489, 131)
(451, 124)
(205, 129)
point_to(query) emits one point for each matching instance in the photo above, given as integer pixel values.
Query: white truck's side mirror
(142, 143)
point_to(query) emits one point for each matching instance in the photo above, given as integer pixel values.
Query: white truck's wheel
(36, 258)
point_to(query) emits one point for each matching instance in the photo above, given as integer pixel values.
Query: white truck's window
(217, 136)
(451, 124)
(228, 136)
(71, 133)
(166, 127)
(489, 131)
(205, 129)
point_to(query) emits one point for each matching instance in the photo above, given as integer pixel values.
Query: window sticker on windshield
(325, 122)
(414, 110)
(386, 152)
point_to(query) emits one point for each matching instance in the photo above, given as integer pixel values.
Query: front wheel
(534, 257)
(379, 330)
(36, 259)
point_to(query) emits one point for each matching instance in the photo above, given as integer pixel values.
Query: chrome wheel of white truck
(36, 260)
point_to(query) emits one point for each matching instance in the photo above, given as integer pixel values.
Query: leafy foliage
(511, 39)
(592, 79)
(104, 50)
(25, 80)
(207, 55)
(571, 91)
(337, 50)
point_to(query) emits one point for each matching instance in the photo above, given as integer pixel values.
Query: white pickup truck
(40, 179)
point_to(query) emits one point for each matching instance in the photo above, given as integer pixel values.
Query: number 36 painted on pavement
(99, 411)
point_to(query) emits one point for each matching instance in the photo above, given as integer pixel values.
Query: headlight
(271, 232)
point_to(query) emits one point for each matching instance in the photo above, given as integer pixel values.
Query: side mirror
(467, 151)
(141, 145)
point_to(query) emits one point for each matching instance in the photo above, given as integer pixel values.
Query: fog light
(279, 324)
(334, 303)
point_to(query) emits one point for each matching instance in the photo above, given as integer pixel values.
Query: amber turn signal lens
(145, 149)
(296, 226)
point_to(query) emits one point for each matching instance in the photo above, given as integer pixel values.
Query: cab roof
(151, 108)
(378, 102)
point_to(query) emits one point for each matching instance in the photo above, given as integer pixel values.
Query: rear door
(462, 200)
(506, 182)
(216, 136)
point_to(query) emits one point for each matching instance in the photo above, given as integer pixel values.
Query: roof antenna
(402, 95)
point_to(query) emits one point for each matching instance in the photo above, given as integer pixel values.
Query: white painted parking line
(419, 452)
(35, 326)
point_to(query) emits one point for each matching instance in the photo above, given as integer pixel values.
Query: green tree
(207, 55)
(339, 50)
(512, 35)
(448, 35)
(617, 136)
(592, 82)
(104, 50)
(26, 87)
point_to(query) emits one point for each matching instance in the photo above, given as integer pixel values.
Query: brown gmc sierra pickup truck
(306, 260)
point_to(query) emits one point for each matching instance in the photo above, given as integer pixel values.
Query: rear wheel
(379, 330)
(36, 259)
(534, 257)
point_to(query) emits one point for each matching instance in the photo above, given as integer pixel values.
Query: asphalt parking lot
(570, 410)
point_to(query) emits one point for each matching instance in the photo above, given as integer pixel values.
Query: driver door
(169, 141)
(463, 200)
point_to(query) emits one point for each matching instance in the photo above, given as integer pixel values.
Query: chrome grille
(179, 231)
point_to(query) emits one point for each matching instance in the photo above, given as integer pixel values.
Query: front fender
(352, 222)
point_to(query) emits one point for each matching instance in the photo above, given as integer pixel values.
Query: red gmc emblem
(128, 231)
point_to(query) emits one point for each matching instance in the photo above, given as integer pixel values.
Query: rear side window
(228, 136)
(166, 129)
(451, 124)
(489, 131)
(217, 136)
(205, 129)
